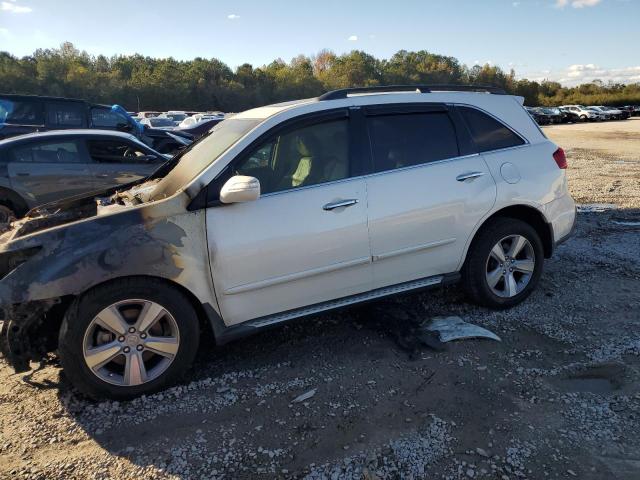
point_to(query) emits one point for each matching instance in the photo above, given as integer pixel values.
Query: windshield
(203, 154)
(160, 122)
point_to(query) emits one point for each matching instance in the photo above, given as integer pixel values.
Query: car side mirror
(240, 188)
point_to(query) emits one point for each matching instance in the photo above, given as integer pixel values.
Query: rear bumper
(561, 214)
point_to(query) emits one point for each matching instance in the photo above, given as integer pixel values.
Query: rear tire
(146, 330)
(515, 276)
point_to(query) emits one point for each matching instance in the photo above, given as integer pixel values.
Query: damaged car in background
(279, 213)
(40, 168)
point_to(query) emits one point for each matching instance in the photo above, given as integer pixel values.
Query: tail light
(560, 158)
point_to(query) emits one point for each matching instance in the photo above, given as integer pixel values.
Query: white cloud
(353, 38)
(13, 8)
(233, 16)
(585, 73)
(516, 4)
(576, 3)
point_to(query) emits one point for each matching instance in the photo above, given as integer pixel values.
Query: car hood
(79, 207)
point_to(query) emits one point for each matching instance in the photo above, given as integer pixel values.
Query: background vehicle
(553, 114)
(45, 167)
(306, 206)
(608, 113)
(147, 114)
(21, 114)
(583, 113)
(568, 116)
(200, 128)
(163, 123)
(540, 117)
(175, 117)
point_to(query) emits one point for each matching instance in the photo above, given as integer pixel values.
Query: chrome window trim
(375, 174)
(420, 165)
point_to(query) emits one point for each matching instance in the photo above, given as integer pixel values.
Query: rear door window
(21, 112)
(404, 140)
(55, 151)
(65, 115)
(487, 132)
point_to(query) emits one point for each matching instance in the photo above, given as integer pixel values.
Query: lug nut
(121, 339)
(126, 349)
(132, 329)
(139, 348)
(143, 336)
(511, 269)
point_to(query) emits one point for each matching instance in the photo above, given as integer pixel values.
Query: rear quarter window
(487, 132)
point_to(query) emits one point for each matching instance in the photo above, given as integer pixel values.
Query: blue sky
(566, 40)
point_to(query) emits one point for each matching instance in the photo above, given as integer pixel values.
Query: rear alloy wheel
(503, 264)
(510, 266)
(128, 338)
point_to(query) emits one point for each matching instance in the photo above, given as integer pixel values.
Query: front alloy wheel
(131, 342)
(130, 337)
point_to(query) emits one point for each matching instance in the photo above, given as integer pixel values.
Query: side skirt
(224, 334)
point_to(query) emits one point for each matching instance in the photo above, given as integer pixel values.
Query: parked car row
(580, 113)
(20, 114)
(54, 148)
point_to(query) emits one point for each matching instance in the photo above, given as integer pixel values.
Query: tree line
(144, 83)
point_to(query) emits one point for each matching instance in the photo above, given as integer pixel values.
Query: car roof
(85, 132)
(440, 96)
(40, 97)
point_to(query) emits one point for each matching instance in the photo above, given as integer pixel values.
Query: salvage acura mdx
(282, 212)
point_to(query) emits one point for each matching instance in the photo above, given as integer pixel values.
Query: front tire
(504, 263)
(128, 338)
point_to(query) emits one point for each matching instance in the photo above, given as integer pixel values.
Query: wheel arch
(57, 313)
(525, 213)
(14, 201)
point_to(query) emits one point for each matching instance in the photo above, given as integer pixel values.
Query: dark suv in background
(20, 114)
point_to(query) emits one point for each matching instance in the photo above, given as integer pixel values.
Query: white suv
(282, 212)
(584, 113)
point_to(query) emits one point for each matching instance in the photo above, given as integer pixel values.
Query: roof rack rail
(344, 92)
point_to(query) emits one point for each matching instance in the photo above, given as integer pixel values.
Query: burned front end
(56, 255)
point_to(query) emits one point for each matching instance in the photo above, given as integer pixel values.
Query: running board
(343, 302)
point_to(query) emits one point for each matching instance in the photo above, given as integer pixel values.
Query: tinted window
(306, 156)
(49, 152)
(104, 118)
(112, 151)
(487, 132)
(21, 112)
(399, 141)
(65, 114)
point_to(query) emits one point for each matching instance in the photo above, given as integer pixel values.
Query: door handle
(102, 175)
(340, 203)
(467, 176)
(21, 174)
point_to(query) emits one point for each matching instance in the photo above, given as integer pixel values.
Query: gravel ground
(558, 398)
